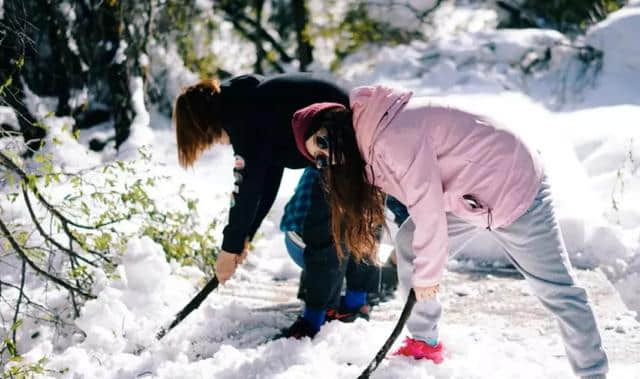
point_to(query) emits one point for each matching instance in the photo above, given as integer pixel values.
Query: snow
(8, 117)
(141, 133)
(615, 36)
(234, 53)
(120, 55)
(587, 135)
(166, 62)
(70, 15)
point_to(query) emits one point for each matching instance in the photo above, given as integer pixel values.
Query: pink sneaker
(420, 349)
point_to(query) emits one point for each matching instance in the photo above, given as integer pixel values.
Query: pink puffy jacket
(435, 160)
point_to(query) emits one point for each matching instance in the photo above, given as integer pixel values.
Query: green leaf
(10, 346)
(102, 241)
(6, 84)
(12, 196)
(22, 237)
(11, 178)
(75, 182)
(85, 208)
(15, 358)
(31, 181)
(16, 325)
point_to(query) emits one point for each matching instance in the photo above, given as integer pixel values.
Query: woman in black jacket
(253, 114)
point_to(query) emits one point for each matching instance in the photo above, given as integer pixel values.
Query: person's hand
(226, 264)
(426, 293)
(245, 251)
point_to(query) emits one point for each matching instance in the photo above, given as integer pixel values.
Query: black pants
(324, 272)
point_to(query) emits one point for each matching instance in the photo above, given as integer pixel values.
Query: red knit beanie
(302, 121)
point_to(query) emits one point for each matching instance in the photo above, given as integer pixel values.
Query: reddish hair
(196, 116)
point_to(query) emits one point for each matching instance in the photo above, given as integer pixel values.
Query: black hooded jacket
(257, 113)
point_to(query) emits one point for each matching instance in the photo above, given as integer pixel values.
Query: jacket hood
(301, 121)
(374, 107)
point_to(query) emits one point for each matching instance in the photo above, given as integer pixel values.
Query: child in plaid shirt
(307, 229)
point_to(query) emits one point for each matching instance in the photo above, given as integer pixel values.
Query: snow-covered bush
(65, 231)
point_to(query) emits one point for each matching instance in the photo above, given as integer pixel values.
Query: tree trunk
(65, 64)
(300, 19)
(117, 75)
(14, 49)
(126, 17)
(261, 55)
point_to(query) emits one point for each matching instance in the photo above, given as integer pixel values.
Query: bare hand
(226, 264)
(245, 251)
(426, 293)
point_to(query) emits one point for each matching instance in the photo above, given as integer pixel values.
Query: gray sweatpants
(534, 245)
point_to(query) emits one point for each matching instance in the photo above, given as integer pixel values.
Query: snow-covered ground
(584, 123)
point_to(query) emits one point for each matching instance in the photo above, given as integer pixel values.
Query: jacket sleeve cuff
(233, 242)
(417, 281)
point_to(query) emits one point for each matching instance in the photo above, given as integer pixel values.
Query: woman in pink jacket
(457, 173)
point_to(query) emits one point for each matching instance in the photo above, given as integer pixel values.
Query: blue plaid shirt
(299, 204)
(296, 209)
(398, 209)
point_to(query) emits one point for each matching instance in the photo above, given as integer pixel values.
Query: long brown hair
(197, 120)
(357, 206)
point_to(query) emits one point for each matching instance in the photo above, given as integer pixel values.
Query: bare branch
(258, 44)
(26, 298)
(421, 15)
(72, 236)
(18, 302)
(48, 315)
(73, 296)
(267, 36)
(236, 14)
(23, 255)
(45, 235)
(8, 163)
